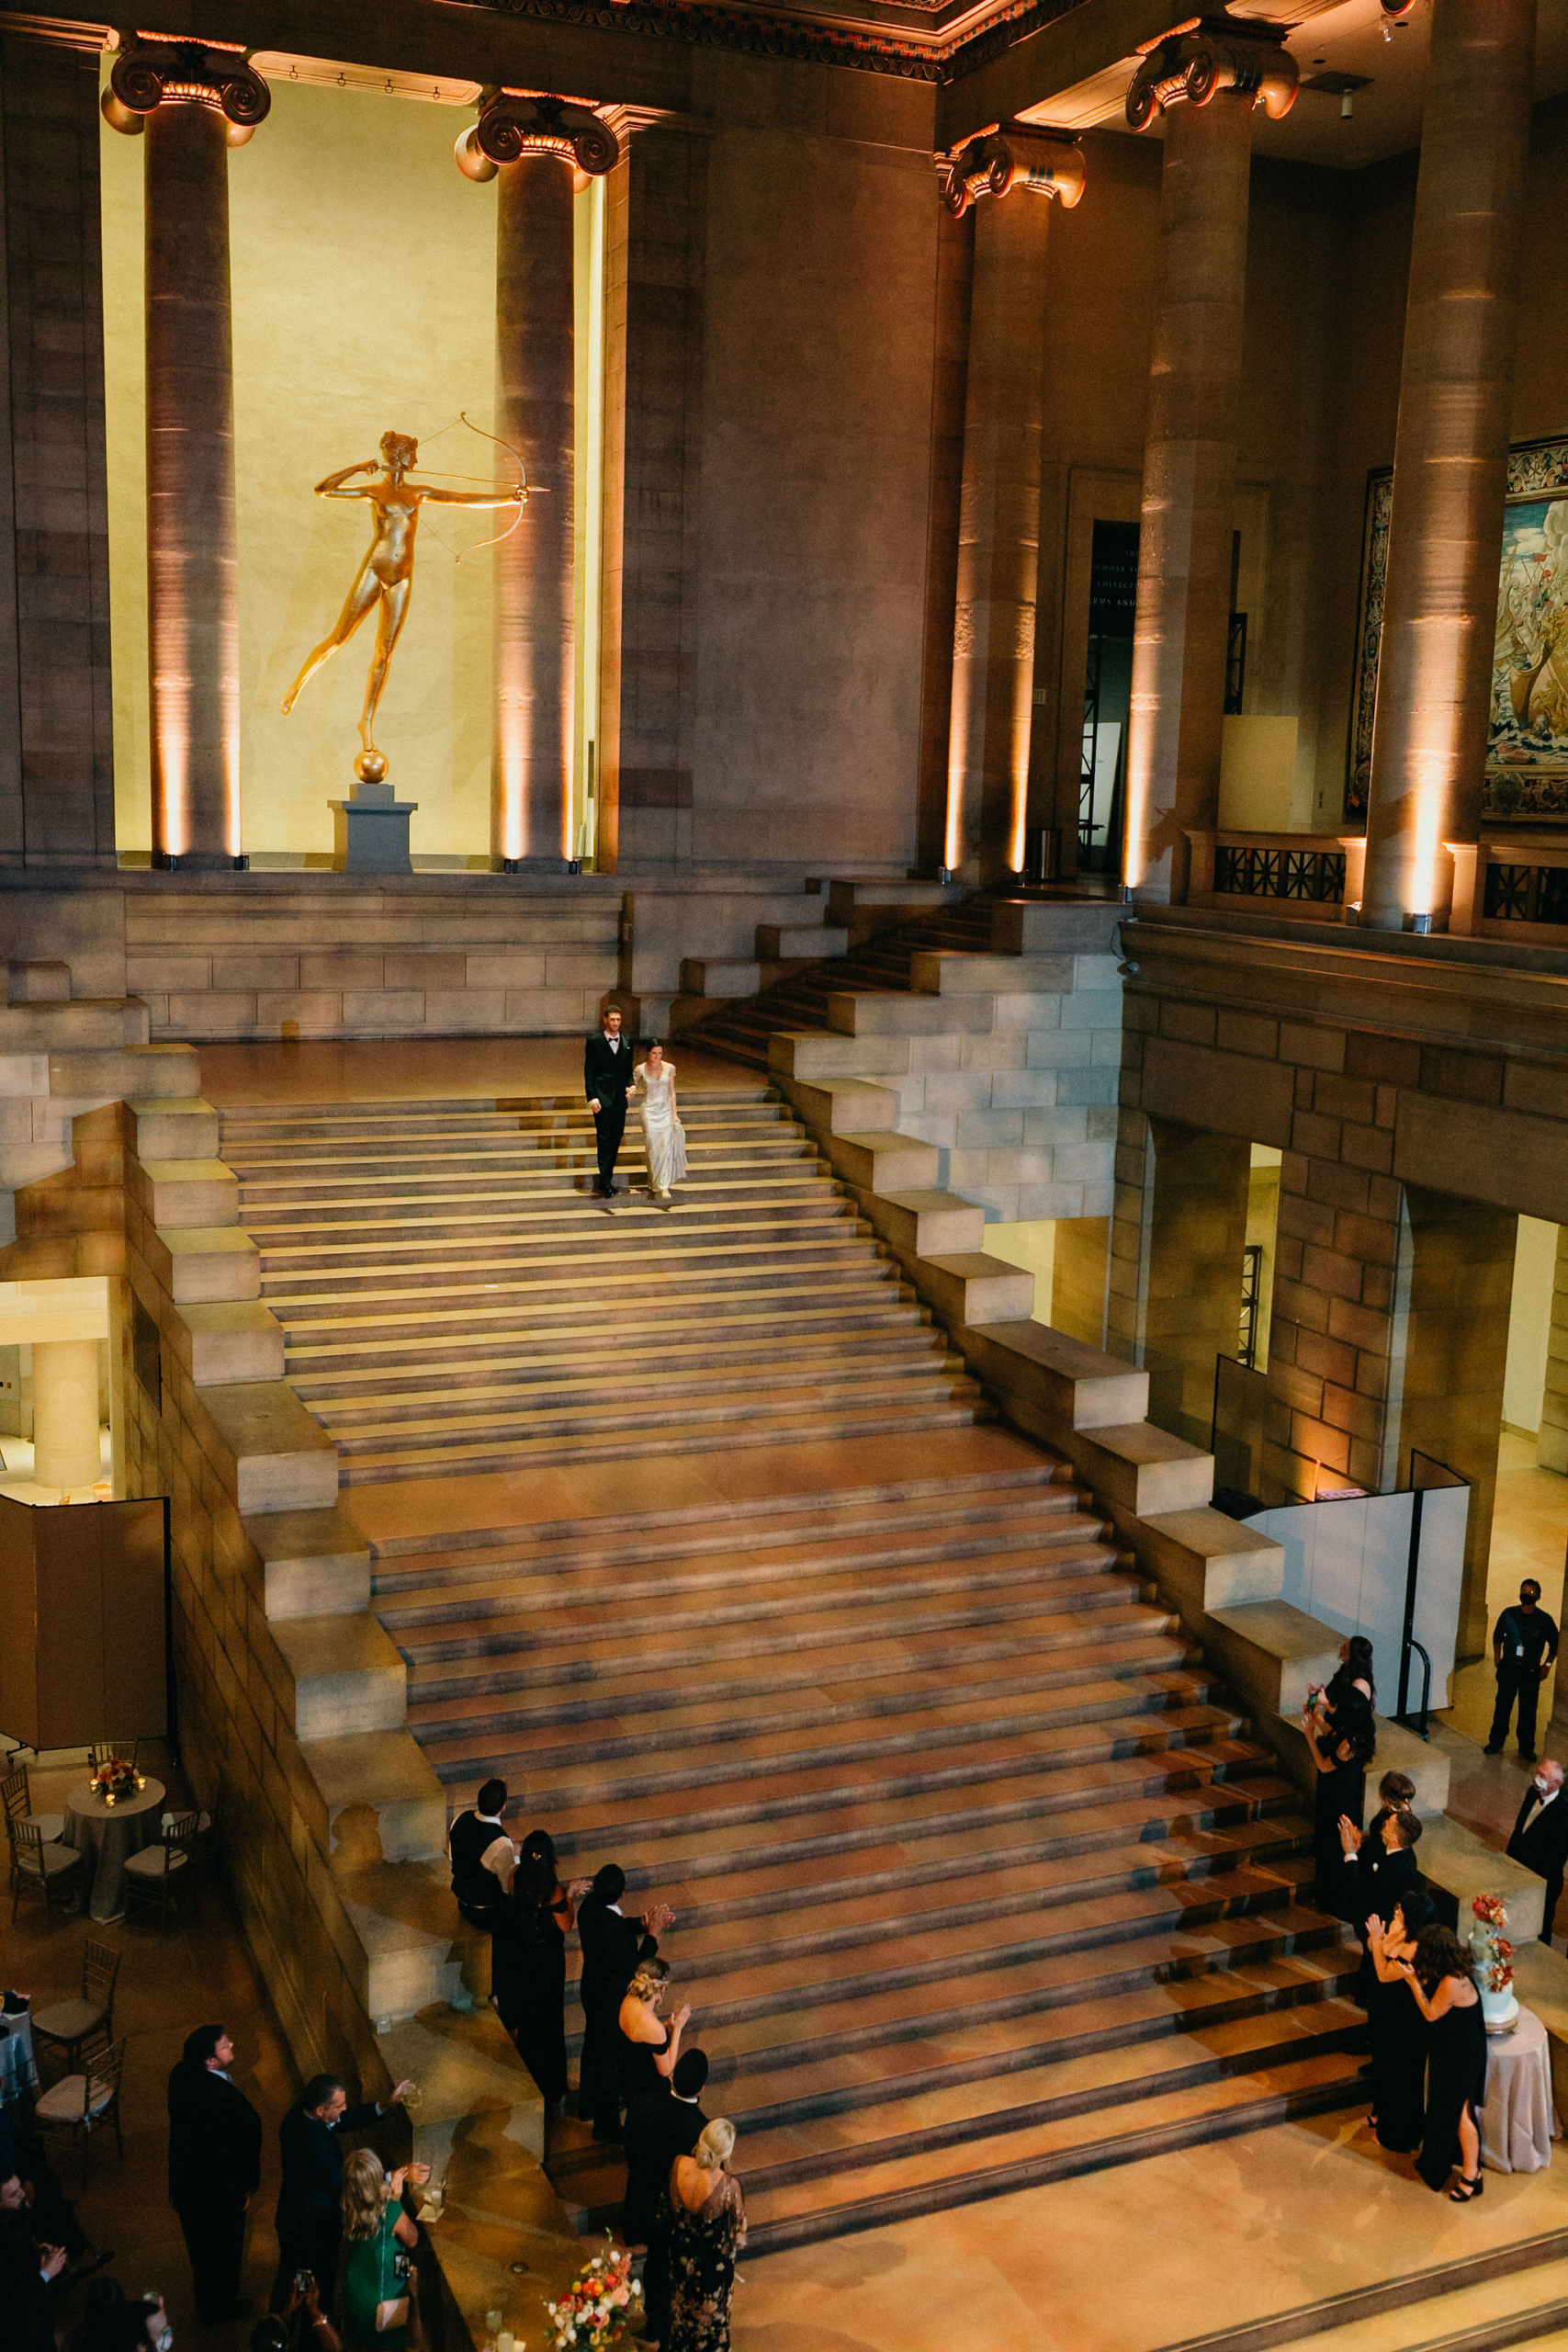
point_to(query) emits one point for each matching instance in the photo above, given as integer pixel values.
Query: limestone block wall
(1409, 1145)
(366, 963)
(1023, 1112)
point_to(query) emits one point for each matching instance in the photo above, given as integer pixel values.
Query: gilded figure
(385, 579)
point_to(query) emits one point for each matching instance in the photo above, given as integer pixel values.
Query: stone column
(65, 1413)
(1450, 459)
(192, 101)
(1180, 1252)
(543, 148)
(1206, 83)
(999, 535)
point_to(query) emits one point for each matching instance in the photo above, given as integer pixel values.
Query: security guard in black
(1524, 1645)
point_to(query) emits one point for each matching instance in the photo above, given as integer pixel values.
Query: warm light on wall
(580, 816)
(957, 753)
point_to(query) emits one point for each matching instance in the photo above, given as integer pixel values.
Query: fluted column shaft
(1451, 459)
(192, 601)
(1181, 627)
(534, 618)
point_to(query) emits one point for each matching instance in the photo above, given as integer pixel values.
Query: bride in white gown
(663, 1134)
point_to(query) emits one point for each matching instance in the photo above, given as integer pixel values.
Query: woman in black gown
(1341, 1755)
(1396, 2027)
(1441, 1980)
(648, 2052)
(528, 1965)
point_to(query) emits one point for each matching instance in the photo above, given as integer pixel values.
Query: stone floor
(422, 1069)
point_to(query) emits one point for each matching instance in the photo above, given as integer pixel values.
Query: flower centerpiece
(593, 2312)
(1493, 1963)
(113, 1779)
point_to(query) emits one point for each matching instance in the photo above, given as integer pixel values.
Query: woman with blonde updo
(377, 2281)
(709, 2231)
(648, 2052)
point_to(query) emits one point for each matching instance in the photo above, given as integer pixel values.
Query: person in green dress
(378, 2280)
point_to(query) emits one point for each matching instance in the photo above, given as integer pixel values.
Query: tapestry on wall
(1527, 743)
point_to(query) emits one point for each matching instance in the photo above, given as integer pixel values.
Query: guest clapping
(1398, 2027)
(612, 1946)
(1441, 1978)
(1340, 1755)
(528, 1964)
(649, 2052)
(708, 2230)
(1380, 1868)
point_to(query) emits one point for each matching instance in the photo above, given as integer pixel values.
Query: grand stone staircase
(982, 1879)
(452, 1300)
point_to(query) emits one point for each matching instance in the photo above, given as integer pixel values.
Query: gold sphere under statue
(370, 766)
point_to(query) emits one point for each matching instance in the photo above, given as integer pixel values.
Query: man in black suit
(608, 1082)
(1540, 1836)
(612, 1947)
(309, 2215)
(214, 2169)
(1524, 1650)
(674, 2125)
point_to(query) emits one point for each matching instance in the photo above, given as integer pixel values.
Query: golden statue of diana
(385, 579)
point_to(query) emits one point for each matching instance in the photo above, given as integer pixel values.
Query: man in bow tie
(1540, 1836)
(608, 1084)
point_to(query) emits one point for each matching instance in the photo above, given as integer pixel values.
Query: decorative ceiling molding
(60, 32)
(807, 39)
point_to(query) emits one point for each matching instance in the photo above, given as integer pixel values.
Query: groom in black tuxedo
(608, 1082)
(1540, 1834)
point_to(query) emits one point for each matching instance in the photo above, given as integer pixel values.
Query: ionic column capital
(514, 123)
(153, 70)
(1215, 53)
(1010, 156)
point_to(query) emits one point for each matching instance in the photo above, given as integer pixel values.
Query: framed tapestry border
(1536, 470)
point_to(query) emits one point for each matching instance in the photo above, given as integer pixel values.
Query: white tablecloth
(18, 2071)
(1518, 2125)
(107, 1833)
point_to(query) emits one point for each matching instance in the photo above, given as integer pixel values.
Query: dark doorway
(1108, 686)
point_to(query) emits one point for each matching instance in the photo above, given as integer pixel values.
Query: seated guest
(528, 1964)
(113, 2321)
(308, 2219)
(672, 2128)
(612, 1946)
(1397, 2028)
(299, 2326)
(483, 1858)
(379, 2280)
(650, 2052)
(27, 2269)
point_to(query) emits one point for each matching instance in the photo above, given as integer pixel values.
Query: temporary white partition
(1347, 1561)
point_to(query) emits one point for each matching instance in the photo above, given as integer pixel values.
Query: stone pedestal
(370, 832)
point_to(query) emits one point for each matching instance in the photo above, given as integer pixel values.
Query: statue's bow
(521, 485)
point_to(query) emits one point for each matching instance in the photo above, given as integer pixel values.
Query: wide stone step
(1124, 1718)
(887, 1321)
(426, 1461)
(1242, 2102)
(1103, 2054)
(895, 1343)
(1054, 1538)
